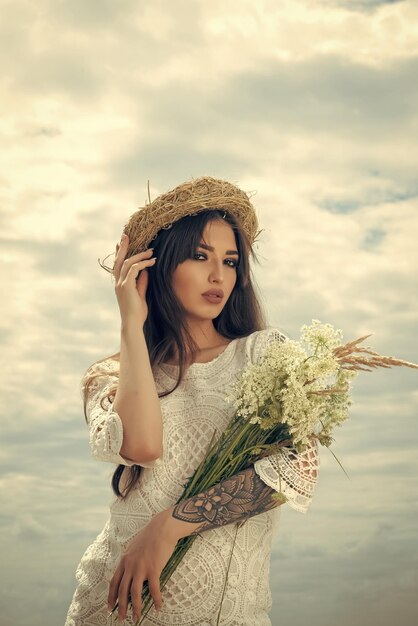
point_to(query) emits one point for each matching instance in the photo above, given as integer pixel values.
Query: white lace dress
(192, 596)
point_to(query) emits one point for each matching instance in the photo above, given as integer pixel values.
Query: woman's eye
(234, 263)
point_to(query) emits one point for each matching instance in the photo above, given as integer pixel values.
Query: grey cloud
(325, 93)
(43, 131)
(370, 197)
(90, 48)
(180, 159)
(373, 237)
(56, 66)
(321, 95)
(365, 6)
(27, 528)
(360, 583)
(127, 17)
(59, 71)
(92, 15)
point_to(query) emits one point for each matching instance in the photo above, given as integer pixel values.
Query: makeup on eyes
(211, 249)
(234, 261)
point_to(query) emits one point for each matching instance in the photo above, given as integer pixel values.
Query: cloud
(27, 528)
(372, 581)
(367, 6)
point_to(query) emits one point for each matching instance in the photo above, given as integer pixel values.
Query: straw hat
(190, 198)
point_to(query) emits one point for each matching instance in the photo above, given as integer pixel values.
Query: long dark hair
(165, 325)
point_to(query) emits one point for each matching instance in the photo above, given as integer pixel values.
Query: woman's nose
(217, 271)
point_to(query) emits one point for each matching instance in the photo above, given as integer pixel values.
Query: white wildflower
(282, 386)
(320, 366)
(255, 420)
(320, 336)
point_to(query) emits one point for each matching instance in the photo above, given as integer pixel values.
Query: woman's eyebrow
(211, 248)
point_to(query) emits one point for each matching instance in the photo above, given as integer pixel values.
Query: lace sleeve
(105, 425)
(294, 474)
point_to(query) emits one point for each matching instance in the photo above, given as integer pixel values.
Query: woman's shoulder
(258, 341)
(105, 367)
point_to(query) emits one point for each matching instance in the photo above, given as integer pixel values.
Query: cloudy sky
(313, 106)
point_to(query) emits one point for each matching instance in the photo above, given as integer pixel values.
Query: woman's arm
(243, 495)
(234, 499)
(136, 400)
(231, 500)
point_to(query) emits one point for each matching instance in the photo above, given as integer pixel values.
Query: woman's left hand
(144, 559)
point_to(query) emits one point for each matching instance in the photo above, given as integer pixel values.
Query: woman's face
(208, 269)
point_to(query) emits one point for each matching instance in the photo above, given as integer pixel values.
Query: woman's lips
(213, 299)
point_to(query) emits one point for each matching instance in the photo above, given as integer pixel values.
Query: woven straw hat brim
(190, 198)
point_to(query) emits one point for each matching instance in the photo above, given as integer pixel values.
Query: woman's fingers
(135, 268)
(120, 255)
(124, 588)
(144, 559)
(122, 266)
(154, 589)
(136, 593)
(136, 597)
(114, 586)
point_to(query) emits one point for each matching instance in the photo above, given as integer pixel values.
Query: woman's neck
(206, 353)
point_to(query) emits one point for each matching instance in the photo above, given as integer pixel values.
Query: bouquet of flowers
(290, 396)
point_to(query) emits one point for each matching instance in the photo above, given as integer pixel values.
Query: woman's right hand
(130, 292)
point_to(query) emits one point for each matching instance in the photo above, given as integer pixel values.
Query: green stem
(226, 577)
(208, 474)
(235, 459)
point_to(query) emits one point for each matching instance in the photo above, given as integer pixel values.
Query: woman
(180, 352)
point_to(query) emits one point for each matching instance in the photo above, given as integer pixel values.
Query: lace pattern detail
(294, 474)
